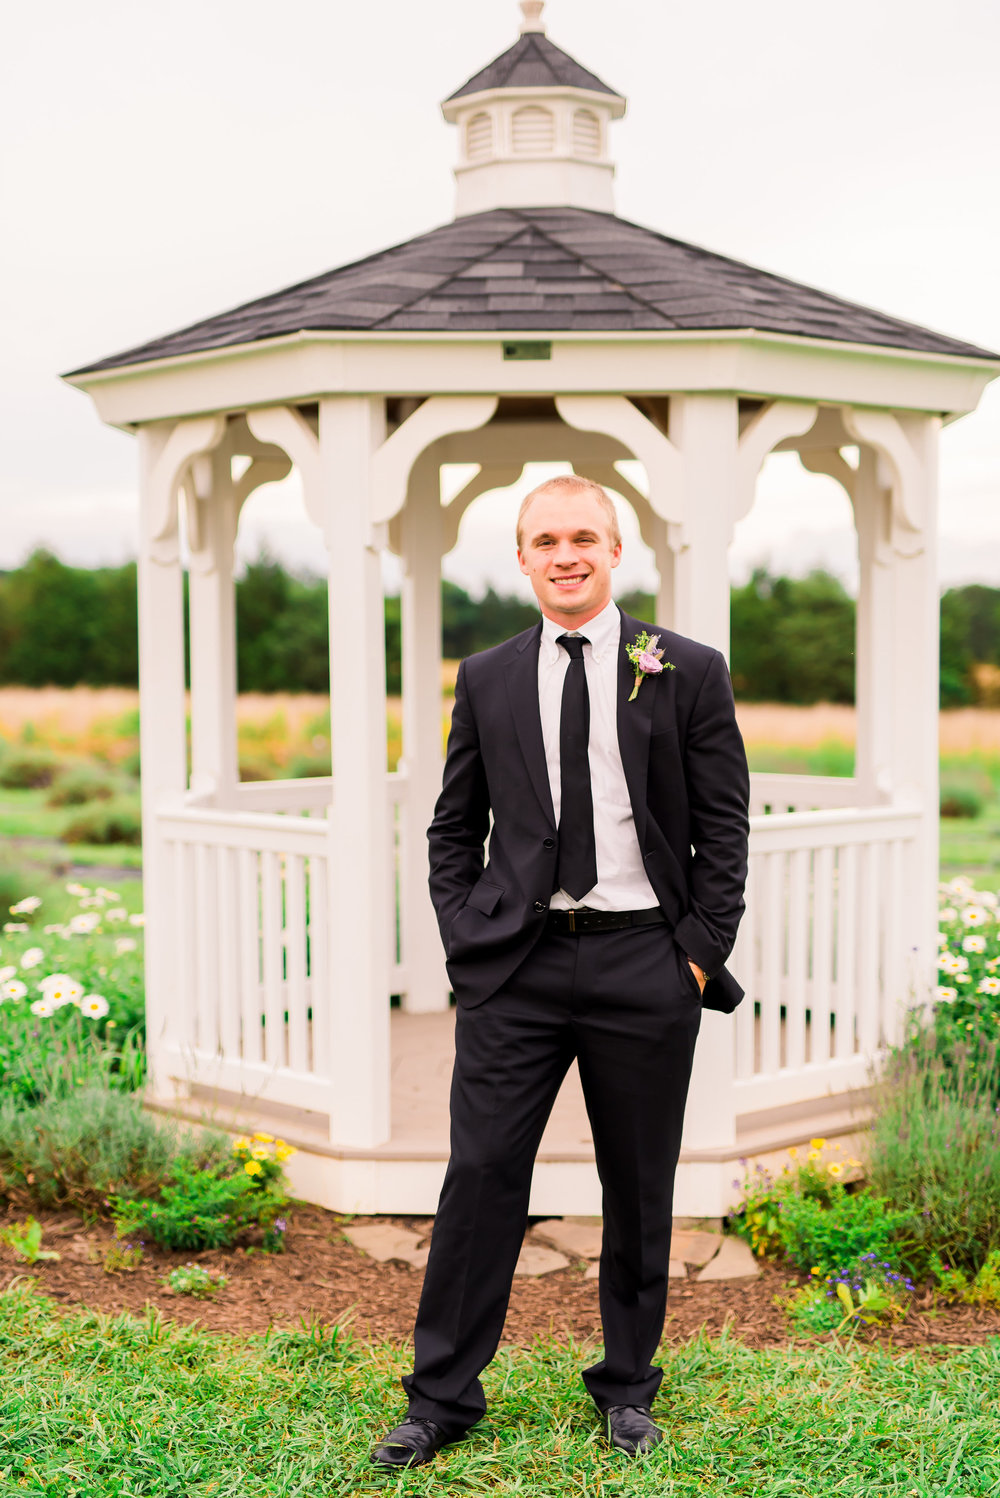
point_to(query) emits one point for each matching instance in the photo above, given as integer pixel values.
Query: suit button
(540, 906)
(548, 842)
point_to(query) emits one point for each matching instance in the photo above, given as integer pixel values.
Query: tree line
(792, 638)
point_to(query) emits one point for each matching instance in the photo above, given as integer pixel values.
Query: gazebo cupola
(533, 129)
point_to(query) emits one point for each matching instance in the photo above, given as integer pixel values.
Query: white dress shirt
(621, 877)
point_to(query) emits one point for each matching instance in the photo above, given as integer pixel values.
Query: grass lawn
(94, 1406)
(23, 813)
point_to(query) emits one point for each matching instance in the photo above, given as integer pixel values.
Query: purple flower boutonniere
(647, 660)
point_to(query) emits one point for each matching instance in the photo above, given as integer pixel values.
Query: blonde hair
(566, 484)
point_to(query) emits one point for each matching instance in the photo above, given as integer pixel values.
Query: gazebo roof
(532, 62)
(550, 270)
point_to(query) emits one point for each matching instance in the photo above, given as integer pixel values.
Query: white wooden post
(422, 531)
(361, 888)
(705, 429)
(873, 632)
(162, 734)
(212, 606)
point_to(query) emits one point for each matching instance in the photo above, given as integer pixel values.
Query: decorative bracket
(616, 416)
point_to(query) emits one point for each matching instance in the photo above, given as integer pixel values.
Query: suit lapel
(522, 694)
(635, 721)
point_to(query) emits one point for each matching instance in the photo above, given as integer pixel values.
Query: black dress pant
(627, 1006)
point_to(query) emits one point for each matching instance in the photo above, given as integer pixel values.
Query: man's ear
(616, 555)
(523, 565)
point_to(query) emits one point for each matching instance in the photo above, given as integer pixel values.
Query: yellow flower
(283, 1151)
(265, 1138)
(817, 1144)
(793, 1152)
(260, 1154)
(242, 1143)
(813, 1155)
(836, 1168)
(815, 1269)
(253, 1167)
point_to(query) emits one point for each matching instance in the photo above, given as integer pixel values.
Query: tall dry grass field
(100, 720)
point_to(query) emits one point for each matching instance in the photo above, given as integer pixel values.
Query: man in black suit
(597, 928)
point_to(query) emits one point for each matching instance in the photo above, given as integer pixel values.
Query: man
(597, 928)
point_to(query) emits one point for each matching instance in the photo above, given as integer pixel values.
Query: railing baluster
(251, 998)
(271, 932)
(847, 907)
(295, 959)
(798, 940)
(822, 955)
(772, 961)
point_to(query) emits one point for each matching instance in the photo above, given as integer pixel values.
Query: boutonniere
(647, 660)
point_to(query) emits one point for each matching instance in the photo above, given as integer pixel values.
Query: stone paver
(694, 1247)
(581, 1240)
(383, 1241)
(534, 1259)
(734, 1261)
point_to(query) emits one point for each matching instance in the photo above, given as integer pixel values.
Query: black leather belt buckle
(582, 922)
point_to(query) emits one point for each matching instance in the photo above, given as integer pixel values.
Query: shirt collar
(603, 632)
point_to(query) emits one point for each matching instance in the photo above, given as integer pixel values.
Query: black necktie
(577, 868)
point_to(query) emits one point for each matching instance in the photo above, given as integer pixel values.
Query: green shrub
(310, 766)
(115, 821)
(961, 800)
(256, 768)
(809, 1218)
(208, 1208)
(871, 1293)
(834, 1236)
(983, 1289)
(78, 784)
(934, 1148)
(28, 769)
(195, 1280)
(80, 1152)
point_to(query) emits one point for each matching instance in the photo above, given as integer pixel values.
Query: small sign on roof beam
(527, 350)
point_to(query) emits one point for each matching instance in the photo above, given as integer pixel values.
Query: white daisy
(117, 913)
(137, 920)
(81, 924)
(32, 957)
(77, 889)
(974, 943)
(107, 894)
(94, 1006)
(946, 995)
(26, 906)
(44, 1008)
(990, 987)
(7, 973)
(54, 930)
(13, 989)
(59, 994)
(974, 915)
(11, 927)
(124, 944)
(949, 913)
(942, 938)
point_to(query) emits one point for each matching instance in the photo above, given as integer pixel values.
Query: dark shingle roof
(552, 270)
(532, 62)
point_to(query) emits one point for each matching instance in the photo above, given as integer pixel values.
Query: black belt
(581, 922)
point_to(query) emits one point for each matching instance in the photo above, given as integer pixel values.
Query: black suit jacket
(687, 777)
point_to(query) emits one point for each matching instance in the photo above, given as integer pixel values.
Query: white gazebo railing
(822, 951)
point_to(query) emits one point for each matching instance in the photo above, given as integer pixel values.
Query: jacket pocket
(484, 897)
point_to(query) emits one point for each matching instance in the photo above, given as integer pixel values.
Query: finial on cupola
(531, 10)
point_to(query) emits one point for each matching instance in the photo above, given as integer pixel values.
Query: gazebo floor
(403, 1176)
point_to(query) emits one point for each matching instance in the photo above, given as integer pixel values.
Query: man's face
(569, 556)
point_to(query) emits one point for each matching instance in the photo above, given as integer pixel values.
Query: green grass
(93, 1406)
(25, 814)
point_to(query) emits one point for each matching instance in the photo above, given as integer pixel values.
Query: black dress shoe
(631, 1428)
(411, 1443)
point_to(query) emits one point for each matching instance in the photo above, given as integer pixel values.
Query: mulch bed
(322, 1276)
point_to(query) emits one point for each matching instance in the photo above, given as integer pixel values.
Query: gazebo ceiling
(548, 270)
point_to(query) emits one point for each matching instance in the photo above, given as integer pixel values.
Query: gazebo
(536, 326)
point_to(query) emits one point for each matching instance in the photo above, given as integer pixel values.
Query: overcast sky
(162, 163)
